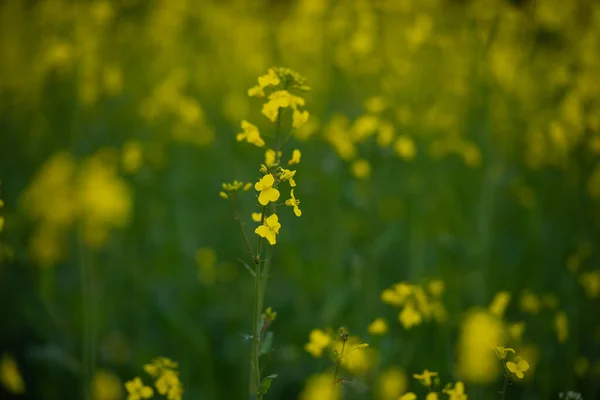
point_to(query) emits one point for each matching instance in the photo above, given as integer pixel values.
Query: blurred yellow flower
(515, 330)
(561, 326)
(426, 377)
(299, 118)
(591, 283)
(456, 393)
(436, 287)
(267, 192)
(321, 387)
(106, 386)
(409, 316)
(517, 366)
(499, 303)
(530, 303)
(361, 169)
(408, 396)
(131, 156)
(378, 327)
(256, 217)
(405, 147)
(392, 383)
(250, 134)
(137, 390)
(296, 155)
(269, 229)
(432, 396)
(10, 377)
(318, 341)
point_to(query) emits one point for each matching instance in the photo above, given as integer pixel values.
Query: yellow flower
(561, 325)
(409, 316)
(432, 396)
(530, 303)
(295, 157)
(223, 195)
(517, 366)
(405, 147)
(408, 396)
(299, 118)
(287, 175)
(293, 202)
(499, 304)
(106, 386)
(271, 157)
(590, 282)
(458, 393)
(502, 351)
(378, 327)
(256, 217)
(10, 377)
(425, 377)
(392, 382)
(267, 191)
(269, 229)
(361, 169)
(250, 134)
(281, 99)
(515, 330)
(137, 390)
(318, 341)
(436, 287)
(270, 79)
(320, 387)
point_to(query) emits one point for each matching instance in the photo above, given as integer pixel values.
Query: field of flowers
(299, 199)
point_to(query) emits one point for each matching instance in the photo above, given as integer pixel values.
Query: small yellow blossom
(269, 315)
(267, 191)
(318, 341)
(561, 325)
(499, 303)
(10, 377)
(408, 396)
(425, 377)
(502, 351)
(295, 157)
(256, 217)
(269, 229)
(457, 393)
(409, 316)
(271, 157)
(270, 79)
(293, 202)
(299, 118)
(517, 367)
(361, 169)
(137, 390)
(223, 195)
(288, 175)
(281, 99)
(378, 327)
(250, 134)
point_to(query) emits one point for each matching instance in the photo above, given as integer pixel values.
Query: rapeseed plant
(512, 369)
(163, 371)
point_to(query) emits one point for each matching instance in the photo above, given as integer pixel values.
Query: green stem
(504, 387)
(255, 377)
(338, 362)
(236, 216)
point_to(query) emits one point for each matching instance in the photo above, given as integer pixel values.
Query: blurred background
(449, 141)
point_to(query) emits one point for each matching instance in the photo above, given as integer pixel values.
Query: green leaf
(266, 343)
(266, 384)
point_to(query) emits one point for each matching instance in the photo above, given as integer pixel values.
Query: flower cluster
(166, 381)
(416, 305)
(516, 367)
(431, 380)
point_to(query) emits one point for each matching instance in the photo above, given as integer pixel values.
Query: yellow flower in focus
(321, 387)
(409, 316)
(502, 351)
(392, 382)
(295, 157)
(480, 332)
(10, 377)
(517, 367)
(293, 202)
(299, 118)
(408, 396)
(288, 175)
(106, 386)
(361, 169)
(378, 327)
(250, 134)
(405, 147)
(267, 191)
(425, 377)
(281, 99)
(269, 229)
(137, 390)
(256, 217)
(561, 325)
(499, 303)
(318, 341)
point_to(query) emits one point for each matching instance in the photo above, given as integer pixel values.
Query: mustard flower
(250, 134)
(256, 217)
(517, 367)
(408, 396)
(288, 175)
(267, 191)
(502, 351)
(409, 316)
(318, 341)
(378, 327)
(137, 390)
(457, 393)
(293, 202)
(269, 229)
(432, 396)
(499, 303)
(224, 195)
(270, 79)
(361, 169)
(281, 99)
(295, 157)
(299, 118)
(425, 377)
(271, 157)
